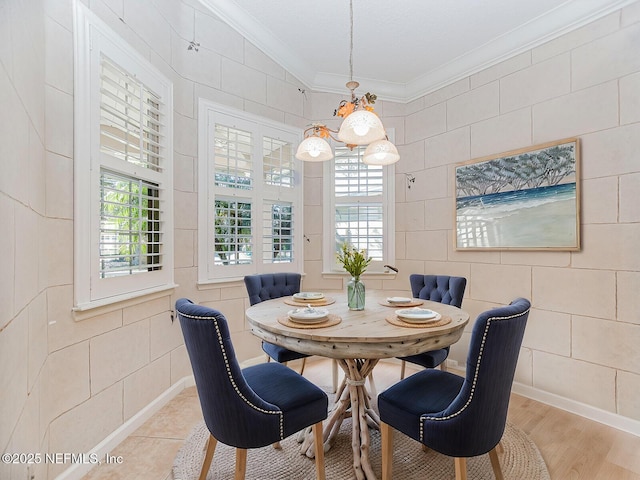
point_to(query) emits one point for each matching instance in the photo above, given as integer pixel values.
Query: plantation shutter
(277, 232)
(131, 217)
(277, 162)
(358, 203)
(251, 185)
(130, 119)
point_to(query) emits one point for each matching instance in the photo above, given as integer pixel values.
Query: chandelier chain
(361, 126)
(351, 41)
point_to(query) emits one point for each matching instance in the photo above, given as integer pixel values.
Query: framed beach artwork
(527, 199)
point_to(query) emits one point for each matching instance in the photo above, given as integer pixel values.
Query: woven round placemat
(413, 303)
(395, 320)
(331, 321)
(316, 303)
(519, 460)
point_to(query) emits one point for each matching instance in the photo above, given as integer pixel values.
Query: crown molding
(555, 23)
(565, 18)
(250, 28)
(331, 83)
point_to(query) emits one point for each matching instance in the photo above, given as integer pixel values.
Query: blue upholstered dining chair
(456, 416)
(267, 286)
(438, 288)
(246, 408)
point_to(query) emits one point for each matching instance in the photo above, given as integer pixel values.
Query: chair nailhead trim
(231, 379)
(475, 375)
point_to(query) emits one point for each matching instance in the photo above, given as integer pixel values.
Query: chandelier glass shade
(314, 149)
(361, 128)
(381, 152)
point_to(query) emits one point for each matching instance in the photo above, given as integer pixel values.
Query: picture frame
(526, 199)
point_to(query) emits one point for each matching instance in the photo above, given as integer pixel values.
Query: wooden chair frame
(241, 456)
(460, 463)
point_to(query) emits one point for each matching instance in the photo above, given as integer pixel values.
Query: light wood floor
(573, 447)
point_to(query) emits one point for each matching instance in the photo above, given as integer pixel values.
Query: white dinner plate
(398, 300)
(308, 315)
(308, 296)
(417, 315)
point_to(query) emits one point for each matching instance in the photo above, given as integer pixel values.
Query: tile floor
(573, 447)
(148, 453)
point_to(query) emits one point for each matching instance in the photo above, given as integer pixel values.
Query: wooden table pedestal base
(352, 399)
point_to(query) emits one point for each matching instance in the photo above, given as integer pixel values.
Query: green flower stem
(354, 261)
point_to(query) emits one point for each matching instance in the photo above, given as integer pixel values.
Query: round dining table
(357, 340)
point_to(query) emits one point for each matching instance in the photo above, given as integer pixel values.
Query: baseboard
(106, 446)
(610, 419)
(77, 471)
(253, 361)
(592, 413)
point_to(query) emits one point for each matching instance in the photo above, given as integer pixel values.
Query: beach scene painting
(526, 199)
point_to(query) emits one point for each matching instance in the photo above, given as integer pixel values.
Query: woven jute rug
(520, 459)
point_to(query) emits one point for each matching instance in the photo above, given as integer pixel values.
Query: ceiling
(402, 49)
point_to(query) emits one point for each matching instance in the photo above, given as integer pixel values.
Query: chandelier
(361, 126)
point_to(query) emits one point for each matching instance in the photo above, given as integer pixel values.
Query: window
(250, 195)
(233, 239)
(130, 234)
(277, 233)
(123, 169)
(359, 209)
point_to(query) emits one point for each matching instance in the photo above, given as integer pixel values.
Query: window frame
(93, 39)
(210, 113)
(329, 261)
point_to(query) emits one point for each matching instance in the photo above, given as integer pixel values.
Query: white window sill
(386, 275)
(216, 282)
(82, 311)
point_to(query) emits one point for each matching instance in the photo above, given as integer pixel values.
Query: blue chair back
(474, 422)
(267, 286)
(231, 409)
(438, 288)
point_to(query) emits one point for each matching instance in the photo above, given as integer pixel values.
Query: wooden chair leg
(461, 468)
(241, 463)
(268, 358)
(500, 447)
(277, 446)
(304, 362)
(495, 463)
(386, 435)
(443, 365)
(334, 373)
(319, 451)
(208, 456)
(372, 386)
